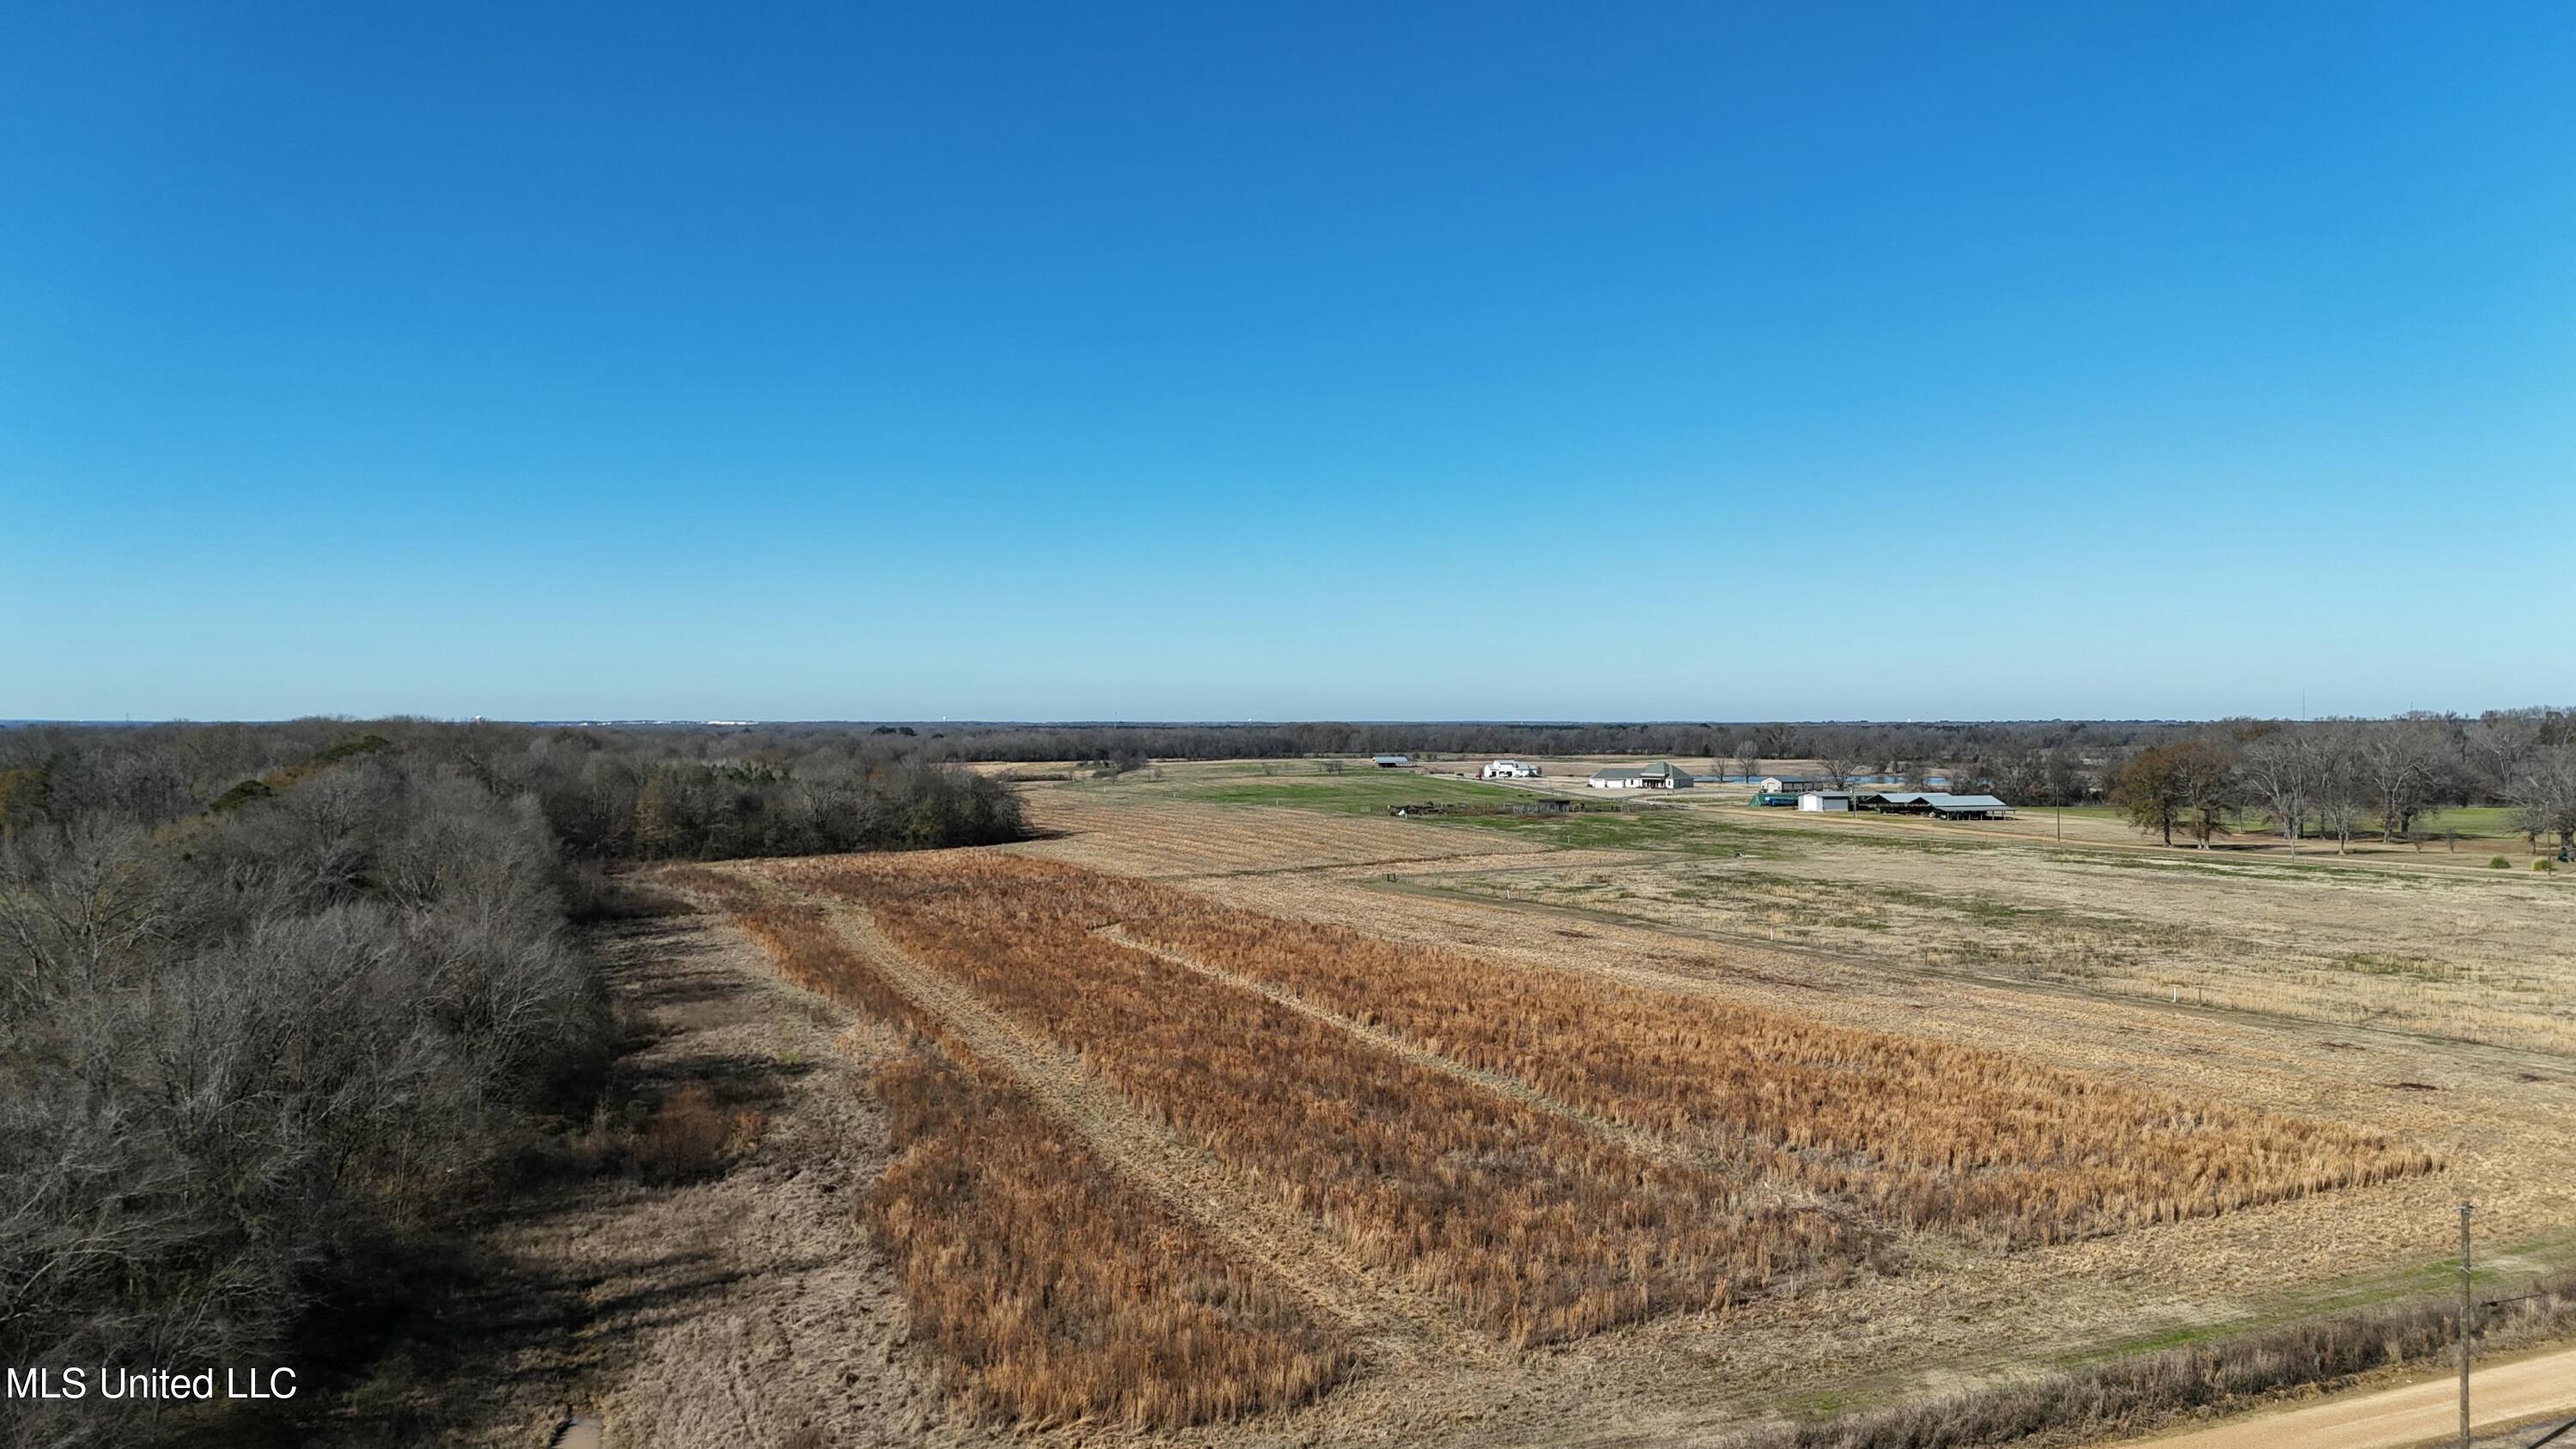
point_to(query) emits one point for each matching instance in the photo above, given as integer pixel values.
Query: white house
(1509, 770)
(1815, 800)
(1646, 777)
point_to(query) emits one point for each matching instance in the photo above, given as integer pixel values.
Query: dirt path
(734, 1309)
(1397, 1325)
(2418, 1414)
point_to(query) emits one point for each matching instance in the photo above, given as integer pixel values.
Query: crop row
(1538, 1228)
(1910, 1132)
(1056, 1290)
(1918, 1132)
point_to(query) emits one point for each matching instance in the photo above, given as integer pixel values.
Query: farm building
(1394, 762)
(1662, 776)
(1825, 800)
(1510, 770)
(1935, 803)
(1794, 784)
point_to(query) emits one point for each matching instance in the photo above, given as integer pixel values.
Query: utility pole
(2466, 1308)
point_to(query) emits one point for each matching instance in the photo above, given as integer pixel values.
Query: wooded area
(278, 1004)
(2336, 779)
(2408, 764)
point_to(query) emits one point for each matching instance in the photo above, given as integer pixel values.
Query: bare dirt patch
(740, 1308)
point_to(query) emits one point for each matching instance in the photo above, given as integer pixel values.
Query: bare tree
(2544, 790)
(1838, 769)
(2280, 769)
(2495, 746)
(1748, 760)
(2340, 792)
(2401, 763)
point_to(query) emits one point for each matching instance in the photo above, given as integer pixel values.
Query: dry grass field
(1535, 1228)
(1056, 1291)
(2476, 955)
(1233, 1110)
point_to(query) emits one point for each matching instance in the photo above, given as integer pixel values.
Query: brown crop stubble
(1538, 1228)
(1058, 1291)
(1918, 1132)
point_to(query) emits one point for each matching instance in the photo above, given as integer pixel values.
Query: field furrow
(1920, 1133)
(1646, 1143)
(1536, 1227)
(1054, 1288)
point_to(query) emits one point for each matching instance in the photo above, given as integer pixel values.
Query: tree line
(279, 1004)
(2411, 763)
(2339, 779)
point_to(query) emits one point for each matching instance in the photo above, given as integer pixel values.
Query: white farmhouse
(1661, 776)
(1509, 770)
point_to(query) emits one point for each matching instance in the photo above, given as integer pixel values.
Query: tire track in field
(1398, 1325)
(1450, 857)
(1645, 1144)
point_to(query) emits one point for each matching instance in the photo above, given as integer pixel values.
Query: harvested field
(1353, 1058)
(1119, 829)
(1063, 1292)
(2452, 953)
(1058, 1291)
(1535, 1227)
(1911, 1133)
(1918, 1133)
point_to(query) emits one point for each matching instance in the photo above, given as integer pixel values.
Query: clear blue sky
(1213, 361)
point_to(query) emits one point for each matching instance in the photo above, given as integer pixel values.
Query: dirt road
(2418, 1414)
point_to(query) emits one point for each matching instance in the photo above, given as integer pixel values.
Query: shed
(1394, 762)
(1825, 800)
(1937, 803)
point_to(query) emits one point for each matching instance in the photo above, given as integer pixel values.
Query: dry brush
(1921, 1133)
(1058, 1291)
(1538, 1228)
(1916, 1133)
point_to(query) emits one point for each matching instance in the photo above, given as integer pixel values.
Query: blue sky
(1048, 361)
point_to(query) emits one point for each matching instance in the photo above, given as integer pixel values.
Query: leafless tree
(2340, 792)
(2544, 794)
(2401, 763)
(2280, 769)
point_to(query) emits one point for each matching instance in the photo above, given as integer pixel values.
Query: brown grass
(1921, 1133)
(1538, 1228)
(1056, 1291)
(1062, 1292)
(2135, 1393)
(690, 1136)
(1914, 1132)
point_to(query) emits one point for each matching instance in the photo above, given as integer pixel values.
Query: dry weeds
(1537, 1228)
(1921, 1133)
(1916, 1133)
(1062, 1292)
(1057, 1291)
(689, 1136)
(2454, 955)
